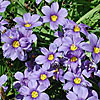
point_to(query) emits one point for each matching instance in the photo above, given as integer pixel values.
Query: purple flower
(3, 5)
(93, 47)
(28, 21)
(33, 91)
(2, 22)
(70, 44)
(16, 42)
(11, 48)
(42, 76)
(71, 28)
(74, 59)
(38, 1)
(76, 81)
(82, 94)
(49, 57)
(23, 79)
(54, 16)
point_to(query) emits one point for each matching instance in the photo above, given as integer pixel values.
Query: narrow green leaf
(91, 12)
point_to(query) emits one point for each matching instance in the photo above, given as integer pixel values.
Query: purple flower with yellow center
(70, 44)
(42, 76)
(93, 47)
(71, 28)
(54, 16)
(38, 1)
(3, 5)
(28, 21)
(74, 80)
(33, 91)
(74, 59)
(49, 57)
(16, 42)
(11, 48)
(2, 22)
(23, 79)
(82, 94)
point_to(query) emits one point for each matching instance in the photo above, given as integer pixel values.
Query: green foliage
(85, 11)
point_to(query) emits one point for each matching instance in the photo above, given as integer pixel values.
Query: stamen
(34, 94)
(16, 44)
(96, 50)
(43, 76)
(51, 57)
(54, 18)
(77, 80)
(76, 29)
(73, 47)
(73, 59)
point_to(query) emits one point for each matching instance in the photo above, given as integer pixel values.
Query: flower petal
(53, 25)
(54, 7)
(44, 51)
(68, 76)
(52, 47)
(32, 84)
(24, 90)
(46, 19)
(18, 75)
(27, 98)
(40, 59)
(35, 18)
(27, 17)
(3, 79)
(43, 96)
(71, 96)
(93, 39)
(62, 12)
(46, 10)
(67, 86)
(19, 20)
(86, 46)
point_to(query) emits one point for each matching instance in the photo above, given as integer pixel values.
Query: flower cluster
(66, 59)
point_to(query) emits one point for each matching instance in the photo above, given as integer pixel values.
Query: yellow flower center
(43, 76)
(76, 28)
(77, 80)
(27, 24)
(73, 59)
(16, 44)
(54, 18)
(73, 47)
(11, 37)
(96, 50)
(34, 94)
(51, 57)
